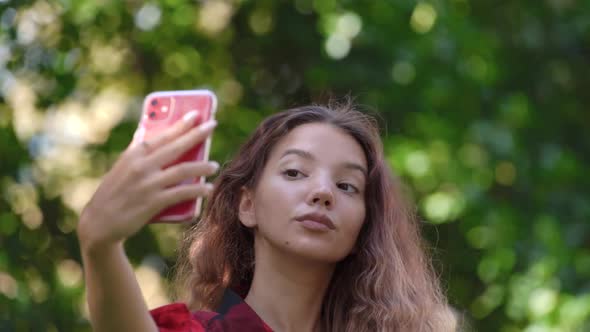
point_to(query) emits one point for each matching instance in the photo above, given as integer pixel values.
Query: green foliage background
(484, 106)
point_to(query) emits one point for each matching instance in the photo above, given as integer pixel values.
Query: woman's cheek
(360, 219)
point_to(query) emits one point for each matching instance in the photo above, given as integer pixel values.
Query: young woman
(305, 230)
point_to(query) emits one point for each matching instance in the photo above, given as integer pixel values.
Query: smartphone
(161, 110)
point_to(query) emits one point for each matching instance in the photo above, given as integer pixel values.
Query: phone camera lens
(154, 102)
(152, 114)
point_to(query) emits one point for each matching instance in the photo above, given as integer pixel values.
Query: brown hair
(387, 284)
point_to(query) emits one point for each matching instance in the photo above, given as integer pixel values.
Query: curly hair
(387, 284)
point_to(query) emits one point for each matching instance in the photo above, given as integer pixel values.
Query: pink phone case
(161, 110)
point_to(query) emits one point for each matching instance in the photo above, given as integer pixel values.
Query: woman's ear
(246, 208)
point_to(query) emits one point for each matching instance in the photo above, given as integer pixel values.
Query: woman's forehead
(320, 141)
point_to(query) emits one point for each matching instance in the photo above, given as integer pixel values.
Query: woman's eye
(348, 187)
(292, 173)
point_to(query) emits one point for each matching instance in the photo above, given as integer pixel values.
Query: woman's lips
(316, 221)
(314, 225)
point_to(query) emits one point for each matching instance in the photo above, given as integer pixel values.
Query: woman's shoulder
(233, 314)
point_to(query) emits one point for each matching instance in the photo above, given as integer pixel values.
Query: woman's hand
(137, 187)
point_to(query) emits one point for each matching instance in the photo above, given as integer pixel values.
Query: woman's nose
(322, 194)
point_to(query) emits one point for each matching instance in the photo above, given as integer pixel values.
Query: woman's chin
(313, 252)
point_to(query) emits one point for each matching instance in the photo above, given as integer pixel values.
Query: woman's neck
(287, 292)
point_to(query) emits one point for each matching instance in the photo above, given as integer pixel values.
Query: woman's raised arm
(131, 193)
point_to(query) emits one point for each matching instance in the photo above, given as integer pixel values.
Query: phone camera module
(158, 108)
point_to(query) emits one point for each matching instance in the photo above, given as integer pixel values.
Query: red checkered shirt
(232, 315)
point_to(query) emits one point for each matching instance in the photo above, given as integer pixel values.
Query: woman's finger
(188, 170)
(170, 134)
(183, 193)
(171, 151)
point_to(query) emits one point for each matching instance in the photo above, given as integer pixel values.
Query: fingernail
(209, 186)
(190, 116)
(214, 164)
(209, 125)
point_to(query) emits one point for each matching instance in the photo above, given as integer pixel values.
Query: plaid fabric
(232, 315)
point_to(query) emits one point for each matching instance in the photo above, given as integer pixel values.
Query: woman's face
(309, 200)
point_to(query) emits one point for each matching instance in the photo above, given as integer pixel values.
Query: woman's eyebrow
(307, 155)
(301, 153)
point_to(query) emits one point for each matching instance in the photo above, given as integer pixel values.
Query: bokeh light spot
(69, 273)
(515, 110)
(37, 287)
(473, 155)
(574, 310)
(349, 25)
(542, 301)
(488, 301)
(337, 47)
(23, 198)
(27, 29)
(423, 17)
(261, 22)
(176, 64)
(417, 163)
(148, 16)
(403, 72)
(443, 206)
(214, 16)
(230, 92)
(481, 237)
(107, 58)
(8, 285)
(77, 193)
